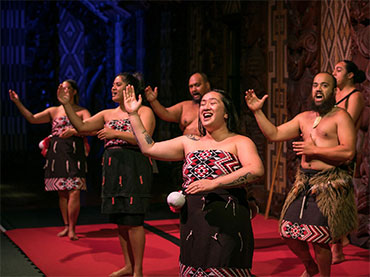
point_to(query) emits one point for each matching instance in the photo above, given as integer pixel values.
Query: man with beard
(320, 208)
(184, 113)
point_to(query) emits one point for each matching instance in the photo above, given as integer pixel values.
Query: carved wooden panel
(359, 12)
(335, 33)
(345, 36)
(277, 87)
(303, 63)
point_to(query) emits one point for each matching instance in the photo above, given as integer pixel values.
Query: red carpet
(98, 253)
(169, 226)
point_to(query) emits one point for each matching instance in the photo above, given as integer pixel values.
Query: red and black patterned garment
(303, 219)
(127, 179)
(311, 227)
(65, 167)
(215, 228)
(320, 207)
(122, 125)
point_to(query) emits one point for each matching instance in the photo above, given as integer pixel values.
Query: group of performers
(218, 164)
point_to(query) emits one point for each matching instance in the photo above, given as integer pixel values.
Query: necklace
(316, 122)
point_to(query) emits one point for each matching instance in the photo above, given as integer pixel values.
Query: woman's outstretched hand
(131, 104)
(13, 96)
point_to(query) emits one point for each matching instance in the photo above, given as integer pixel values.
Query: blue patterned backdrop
(71, 48)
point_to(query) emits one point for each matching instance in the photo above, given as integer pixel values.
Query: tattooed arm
(251, 170)
(169, 150)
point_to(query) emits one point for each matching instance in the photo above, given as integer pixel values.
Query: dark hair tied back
(141, 83)
(358, 75)
(130, 79)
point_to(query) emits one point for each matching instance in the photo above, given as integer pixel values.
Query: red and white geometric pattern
(208, 164)
(122, 125)
(52, 184)
(303, 232)
(188, 271)
(59, 125)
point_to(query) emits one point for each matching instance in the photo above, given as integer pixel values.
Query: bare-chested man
(184, 113)
(320, 207)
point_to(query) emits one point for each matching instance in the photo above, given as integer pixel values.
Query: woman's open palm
(131, 104)
(13, 95)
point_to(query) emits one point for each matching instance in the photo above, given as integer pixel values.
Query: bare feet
(337, 252)
(64, 232)
(312, 270)
(72, 236)
(338, 259)
(306, 274)
(127, 270)
(345, 241)
(138, 273)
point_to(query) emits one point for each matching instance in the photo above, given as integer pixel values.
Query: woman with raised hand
(127, 173)
(351, 99)
(215, 228)
(65, 168)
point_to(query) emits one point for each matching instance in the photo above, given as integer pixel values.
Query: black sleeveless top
(346, 97)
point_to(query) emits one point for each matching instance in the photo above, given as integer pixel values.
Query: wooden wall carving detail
(302, 63)
(359, 12)
(345, 35)
(277, 88)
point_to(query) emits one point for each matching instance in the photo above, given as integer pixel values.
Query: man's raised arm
(170, 114)
(283, 132)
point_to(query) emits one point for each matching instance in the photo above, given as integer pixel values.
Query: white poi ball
(41, 144)
(176, 199)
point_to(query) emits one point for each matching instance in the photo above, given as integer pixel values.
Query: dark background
(46, 42)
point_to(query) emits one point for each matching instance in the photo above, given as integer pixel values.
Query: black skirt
(303, 219)
(216, 231)
(65, 167)
(127, 179)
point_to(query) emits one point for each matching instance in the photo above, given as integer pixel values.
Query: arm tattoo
(192, 137)
(239, 181)
(148, 138)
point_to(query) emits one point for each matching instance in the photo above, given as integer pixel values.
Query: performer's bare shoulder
(189, 117)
